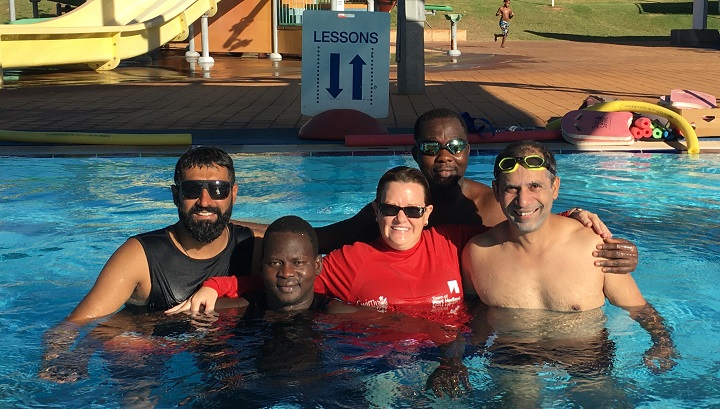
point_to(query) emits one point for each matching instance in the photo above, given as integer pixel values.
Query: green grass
(614, 20)
(23, 9)
(591, 20)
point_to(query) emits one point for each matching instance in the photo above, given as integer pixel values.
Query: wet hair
(524, 148)
(402, 174)
(292, 224)
(437, 113)
(204, 157)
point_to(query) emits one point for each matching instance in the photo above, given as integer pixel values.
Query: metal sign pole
(12, 10)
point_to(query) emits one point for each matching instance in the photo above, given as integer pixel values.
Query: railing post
(191, 56)
(275, 55)
(205, 61)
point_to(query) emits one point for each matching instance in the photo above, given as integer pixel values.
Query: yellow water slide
(100, 33)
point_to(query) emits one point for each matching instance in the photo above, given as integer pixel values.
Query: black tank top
(175, 276)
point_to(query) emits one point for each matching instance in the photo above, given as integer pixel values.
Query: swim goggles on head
(454, 146)
(532, 162)
(412, 212)
(192, 189)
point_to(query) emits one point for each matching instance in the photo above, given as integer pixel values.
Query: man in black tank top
(157, 270)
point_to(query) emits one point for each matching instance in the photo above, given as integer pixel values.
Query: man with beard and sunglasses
(442, 152)
(156, 270)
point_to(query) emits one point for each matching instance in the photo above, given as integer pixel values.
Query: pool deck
(248, 105)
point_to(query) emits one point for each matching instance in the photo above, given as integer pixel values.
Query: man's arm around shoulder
(615, 255)
(258, 229)
(361, 227)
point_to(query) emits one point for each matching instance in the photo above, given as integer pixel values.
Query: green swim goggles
(532, 162)
(454, 146)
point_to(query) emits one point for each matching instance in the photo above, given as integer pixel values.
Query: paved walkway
(247, 101)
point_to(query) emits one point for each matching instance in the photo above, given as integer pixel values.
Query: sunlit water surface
(61, 218)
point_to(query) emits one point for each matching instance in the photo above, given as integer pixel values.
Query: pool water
(61, 218)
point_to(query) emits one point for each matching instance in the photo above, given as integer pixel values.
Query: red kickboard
(597, 126)
(473, 138)
(688, 99)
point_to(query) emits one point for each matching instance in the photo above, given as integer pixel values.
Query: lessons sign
(346, 62)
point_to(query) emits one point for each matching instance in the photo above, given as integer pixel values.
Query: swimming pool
(61, 218)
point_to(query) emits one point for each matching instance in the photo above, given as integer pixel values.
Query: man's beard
(205, 231)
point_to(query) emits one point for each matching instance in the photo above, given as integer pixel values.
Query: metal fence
(291, 11)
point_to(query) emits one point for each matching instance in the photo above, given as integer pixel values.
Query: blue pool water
(61, 218)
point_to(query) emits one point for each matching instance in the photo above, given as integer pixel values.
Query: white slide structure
(100, 33)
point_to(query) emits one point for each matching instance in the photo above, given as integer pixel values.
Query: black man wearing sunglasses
(442, 153)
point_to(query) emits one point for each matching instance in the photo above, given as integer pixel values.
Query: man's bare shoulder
(492, 237)
(573, 230)
(473, 188)
(131, 248)
(131, 262)
(572, 241)
(484, 198)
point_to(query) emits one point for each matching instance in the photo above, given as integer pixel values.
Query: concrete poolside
(248, 105)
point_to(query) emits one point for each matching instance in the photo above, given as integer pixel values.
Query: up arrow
(357, 64)
(335, 89)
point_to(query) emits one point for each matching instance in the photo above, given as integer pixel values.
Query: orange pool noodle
(643, 122)
(636, 132)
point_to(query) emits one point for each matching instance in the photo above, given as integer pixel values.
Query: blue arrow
(334, 89)
(357, 64)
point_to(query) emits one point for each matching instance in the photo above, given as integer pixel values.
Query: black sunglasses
(192, 189)
(454, 146)
(413, 212)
